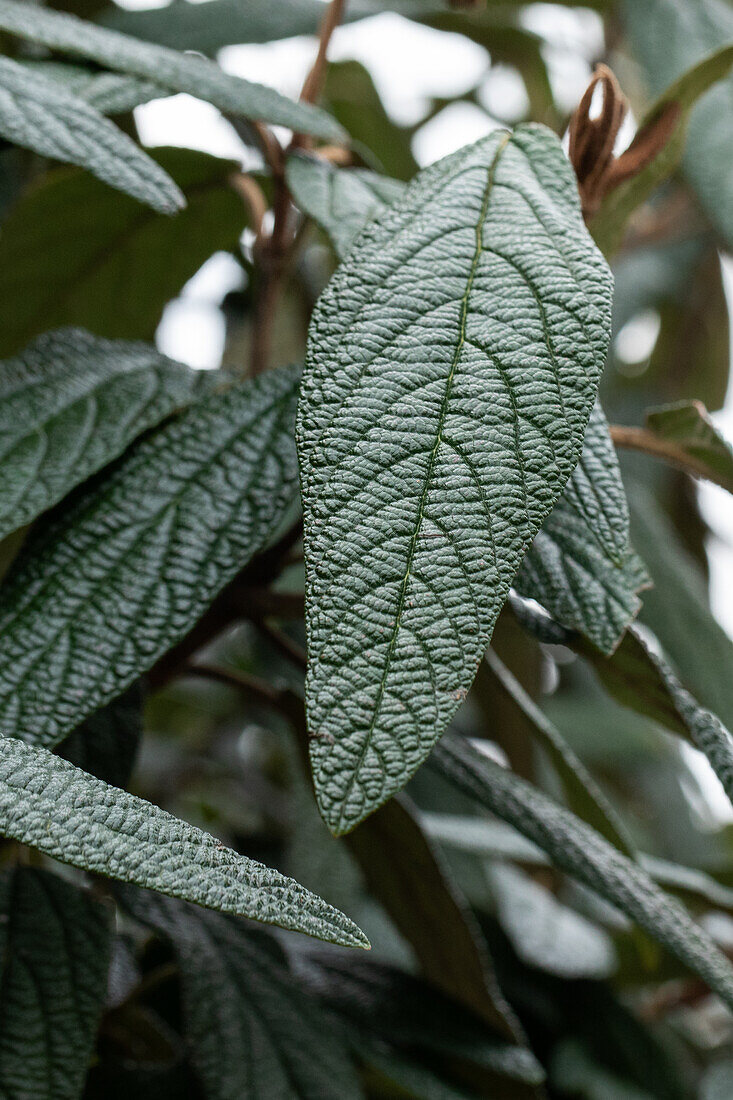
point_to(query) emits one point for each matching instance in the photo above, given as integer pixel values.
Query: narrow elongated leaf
(584, 855)
(254, 1032)
(609, 223)
(55, 948)
(341, 200)
(687, 436)
(581, 567)
(104, 588)
(452, 367)
(668, 37)
(176, 71)
(39, 115)
(69, 405)
(51, 805)
(72, 252)
(108, 93)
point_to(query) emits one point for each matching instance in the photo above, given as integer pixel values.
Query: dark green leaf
(584, 855)
(253, 1031)
(424, 479)
(38, 114)
(669, 37)
(176, 71)
(106, 586)
(55, 947)
(71, 403)
(341, 200)
(74, 253)
(580, 566)
(51, 805)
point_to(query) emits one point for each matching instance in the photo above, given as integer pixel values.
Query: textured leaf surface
(179, 72)
(72, 252)
(341, 200)
(51, 805)
(54, 946)
(38, 114)
(69, 405)
(452, 366)
(109, 93)
(685, 431)
(254, 1031)
(584, 855)
(107, 586)
(580, 566)
(668, 38)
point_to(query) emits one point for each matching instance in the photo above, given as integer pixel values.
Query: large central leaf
(452, 367)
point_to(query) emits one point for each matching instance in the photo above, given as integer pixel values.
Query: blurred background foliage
(607, 1014)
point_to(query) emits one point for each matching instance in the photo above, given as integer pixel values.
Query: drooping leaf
(669, 37)
(107, 585)
(65, 813)
(253, 1031)
(686, 435)
(341, 200)
(609, 223)
(71, 403)
(580, 566)
(583, 854)
(582, 792)
(425, 475)
(38, 114)
(177, 71)
(54, 951)
(397, 1008)
(74, 253)
(109, 93)
(547, 934)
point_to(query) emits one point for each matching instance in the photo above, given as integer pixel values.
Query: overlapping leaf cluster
(392, 531)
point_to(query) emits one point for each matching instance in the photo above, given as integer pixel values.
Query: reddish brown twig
(313, 85)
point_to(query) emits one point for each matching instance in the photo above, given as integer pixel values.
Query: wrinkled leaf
(38, 114)
(74, 253)
(106, 586)
(341, 200)
(253, 1031)
(582, 853)
(425, 476)
(580, 566)
(51, 805)
(71, 403)
(177, 71)
(54, 947)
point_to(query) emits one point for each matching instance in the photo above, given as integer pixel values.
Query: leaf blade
(109, 832)
(364, 368)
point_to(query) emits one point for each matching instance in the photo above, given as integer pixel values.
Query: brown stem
(314, 81)
(251, 686)
(641, 439)
(282, 641)
(255, 200)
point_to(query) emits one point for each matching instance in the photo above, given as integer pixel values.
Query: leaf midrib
(429, 472)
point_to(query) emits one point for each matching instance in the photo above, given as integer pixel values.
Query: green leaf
(106, 586)
(581, 791)
(609, 223)
(668, 37)
(686, 435)
(341, 200)
(108, 93)
(580, 566)
(425, 476)
(55, 948)
(38, 114)
(71, 403)
(253, 1030)
(547, 934)
(176, 71)
(74, 253)
(65, 813)
(582, 853)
